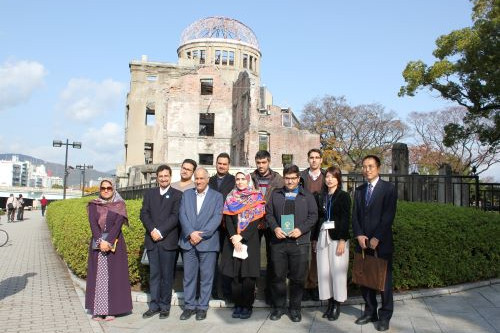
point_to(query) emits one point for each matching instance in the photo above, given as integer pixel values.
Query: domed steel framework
(220, 28)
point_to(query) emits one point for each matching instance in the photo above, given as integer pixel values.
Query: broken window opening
(207, 86)
(202, 56)
(150, 117)
(206, 159)
(207, 121)
(217, 57)
(148, 153)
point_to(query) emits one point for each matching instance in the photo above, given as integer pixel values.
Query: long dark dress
(233, 267)
(114, 267)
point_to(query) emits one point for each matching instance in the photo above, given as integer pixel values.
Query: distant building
(16, 173)
(209, 102)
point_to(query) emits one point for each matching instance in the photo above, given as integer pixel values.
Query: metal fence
(456, 190)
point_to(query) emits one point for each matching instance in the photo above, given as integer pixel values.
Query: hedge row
(435, 244)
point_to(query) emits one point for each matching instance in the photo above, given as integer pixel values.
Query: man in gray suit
(200, 215)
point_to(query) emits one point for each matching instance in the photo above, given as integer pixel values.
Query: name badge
(329, 225)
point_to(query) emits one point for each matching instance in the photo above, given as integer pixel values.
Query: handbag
(144, 258)
(369, 271)
(95, 246)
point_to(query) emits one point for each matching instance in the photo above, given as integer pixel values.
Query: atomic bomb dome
(219, 28)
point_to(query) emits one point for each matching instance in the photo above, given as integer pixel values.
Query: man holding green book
(291, 212)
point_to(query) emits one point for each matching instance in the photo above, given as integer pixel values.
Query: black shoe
(382, 325)
(236, 312)
(201, 314)
(334, 311)
(164, 314)
(276, 314)
(328, 308)
(365, 319)
(295, 316)
(150, 313)
(186, 314)
(246, 313)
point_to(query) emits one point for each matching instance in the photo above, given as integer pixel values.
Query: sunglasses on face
(108, 188)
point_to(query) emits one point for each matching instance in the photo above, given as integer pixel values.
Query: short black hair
(190, 161)
(375, 157)
(163, 167)
(261, 154)
(315, 150)
(291, 168)
(337, 173)
(223, 155)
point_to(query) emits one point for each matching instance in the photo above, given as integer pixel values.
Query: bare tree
(465, 156)
(348, 133)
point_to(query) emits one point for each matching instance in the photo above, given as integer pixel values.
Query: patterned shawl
(248, 204)
(115, 204)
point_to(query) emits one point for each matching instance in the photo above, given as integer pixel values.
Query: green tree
(466, 72)
(348, 133)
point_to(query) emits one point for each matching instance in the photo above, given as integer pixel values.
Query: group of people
(14, 205)
(303, 216)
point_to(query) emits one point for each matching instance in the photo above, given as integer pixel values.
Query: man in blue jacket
(200, 216)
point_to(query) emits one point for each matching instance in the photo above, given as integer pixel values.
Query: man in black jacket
(266, 180)
(223, 182)
(290, 207)
(313, 180)
(372, 217)
(160, 217)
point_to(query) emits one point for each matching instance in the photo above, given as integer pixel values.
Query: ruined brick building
(209, 102)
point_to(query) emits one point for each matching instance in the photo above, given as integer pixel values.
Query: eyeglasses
(186, 169)
(109, 188)
(291, 178)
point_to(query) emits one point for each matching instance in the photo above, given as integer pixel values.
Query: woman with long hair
(243, 207)
(332, 249)
(108, 285)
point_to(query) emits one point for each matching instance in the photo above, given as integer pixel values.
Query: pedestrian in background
(20, 208)
(108, 285)
(44, 202)
(10, 207)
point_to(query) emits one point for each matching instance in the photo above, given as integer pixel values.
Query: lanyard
(329, 204)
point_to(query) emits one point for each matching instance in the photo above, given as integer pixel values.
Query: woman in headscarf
(108, 284)
(244, 206)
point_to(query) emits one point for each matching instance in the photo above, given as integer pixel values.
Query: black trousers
(269, 263)
(243, 291)
(218, 276)
(161, 265)
(370, 297)
(289, 259)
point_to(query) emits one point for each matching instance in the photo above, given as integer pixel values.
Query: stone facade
(209, 102)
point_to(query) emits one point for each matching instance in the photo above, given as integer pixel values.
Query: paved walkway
(37, 295)
(36, 291)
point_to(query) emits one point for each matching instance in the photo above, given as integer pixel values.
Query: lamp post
(59, 143)
(83, 167)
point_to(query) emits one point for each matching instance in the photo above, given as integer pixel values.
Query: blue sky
(64, 64)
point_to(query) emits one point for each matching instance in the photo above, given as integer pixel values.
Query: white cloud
(18, 81)
(83, 99)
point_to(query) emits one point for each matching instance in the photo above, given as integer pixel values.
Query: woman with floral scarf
(244, 206)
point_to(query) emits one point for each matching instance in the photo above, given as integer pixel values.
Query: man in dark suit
(372, 218)
(200, 215)
(160, 217)
(223, 182)
(296, 208)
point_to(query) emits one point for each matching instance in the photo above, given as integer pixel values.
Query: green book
(287, 223)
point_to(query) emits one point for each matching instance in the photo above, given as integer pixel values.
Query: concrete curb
(178, 297)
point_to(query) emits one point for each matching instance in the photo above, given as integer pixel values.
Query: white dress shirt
(200, 197)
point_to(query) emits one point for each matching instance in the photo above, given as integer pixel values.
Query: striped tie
(368, 193)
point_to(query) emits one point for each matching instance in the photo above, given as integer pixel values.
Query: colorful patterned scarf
(248, 204)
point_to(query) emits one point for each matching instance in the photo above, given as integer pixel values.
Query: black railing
(456, 190)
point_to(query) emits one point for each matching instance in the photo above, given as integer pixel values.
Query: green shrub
(435, 245)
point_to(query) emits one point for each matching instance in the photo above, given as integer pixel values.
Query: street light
(59, 143)
(83, 167)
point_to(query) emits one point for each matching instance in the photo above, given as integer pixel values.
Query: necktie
(368, 193)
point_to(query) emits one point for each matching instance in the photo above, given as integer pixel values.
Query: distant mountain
(57, 170)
